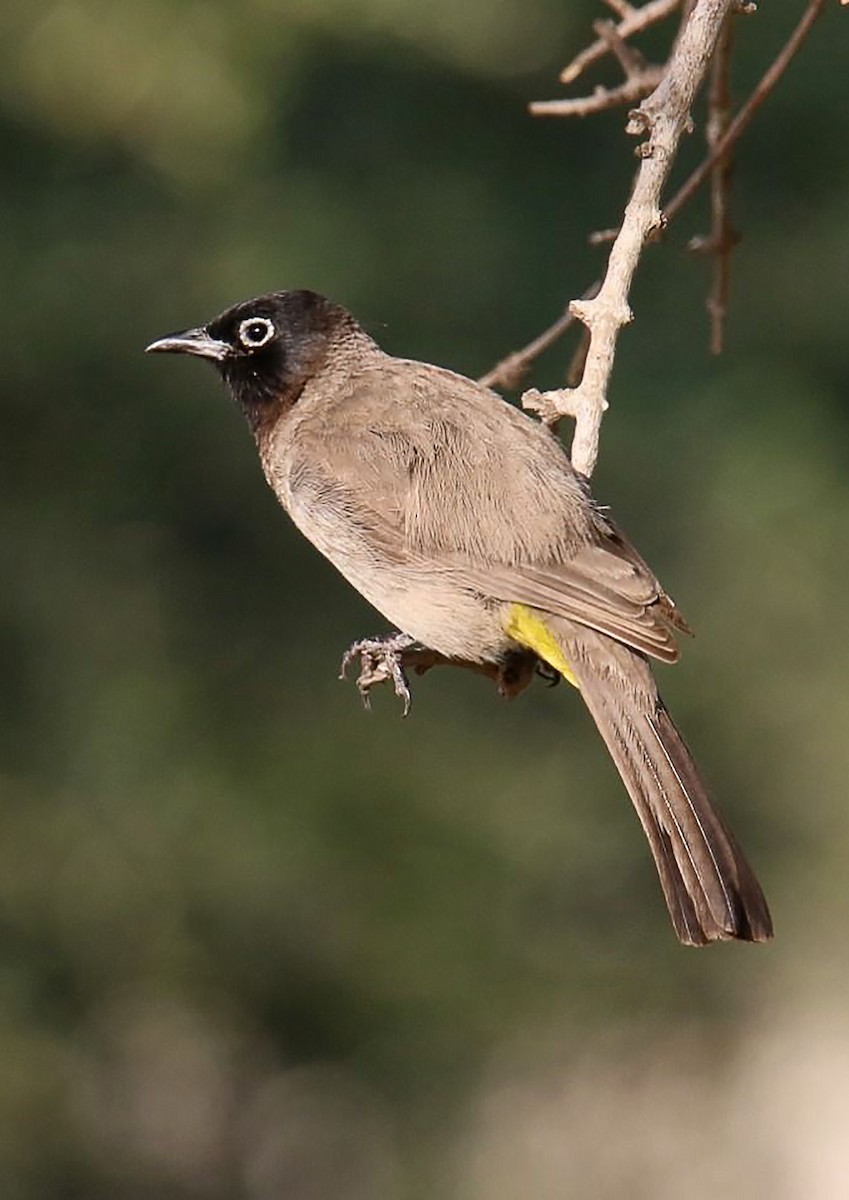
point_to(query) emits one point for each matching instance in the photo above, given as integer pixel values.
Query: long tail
(710, 889)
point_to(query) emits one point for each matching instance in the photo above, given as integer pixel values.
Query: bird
(461, 519)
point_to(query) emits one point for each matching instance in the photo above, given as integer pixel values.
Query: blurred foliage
(253, 942)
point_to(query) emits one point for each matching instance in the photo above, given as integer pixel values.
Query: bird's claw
(381, 659)
(550, 674)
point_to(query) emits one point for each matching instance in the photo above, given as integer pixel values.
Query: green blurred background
(254, 942)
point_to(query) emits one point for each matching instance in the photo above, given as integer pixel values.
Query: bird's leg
(391, 656)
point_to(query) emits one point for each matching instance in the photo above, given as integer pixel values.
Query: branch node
(613, 310)
(658, 223)
(581, 309)
(640, 122)
(630, 59)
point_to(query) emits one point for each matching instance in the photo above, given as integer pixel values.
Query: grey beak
(191, 341)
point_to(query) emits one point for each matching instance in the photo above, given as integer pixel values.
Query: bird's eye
(255, 332)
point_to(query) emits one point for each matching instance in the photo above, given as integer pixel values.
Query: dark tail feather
(710, 890)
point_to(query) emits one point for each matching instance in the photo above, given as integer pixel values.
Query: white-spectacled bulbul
(462, 520)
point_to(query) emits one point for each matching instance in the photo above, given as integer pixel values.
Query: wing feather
(448, 476)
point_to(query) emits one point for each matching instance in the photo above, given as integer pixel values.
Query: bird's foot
(382, 659)
(390, 658)
(550, 674)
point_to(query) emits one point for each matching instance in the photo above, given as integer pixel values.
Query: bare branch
(663, 117)
(635, 88)
(641, 78)
(732, 134)
(511, 370)
(634, 21)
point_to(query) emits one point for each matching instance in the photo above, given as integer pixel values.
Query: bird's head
(266, 349)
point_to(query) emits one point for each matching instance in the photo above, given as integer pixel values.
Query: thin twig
(635, 22)
(635, 88)
(510, 372)
(621, 7)
(723, 237)
(641, 78)
(601, 237)
(766, 85)
(630, 59)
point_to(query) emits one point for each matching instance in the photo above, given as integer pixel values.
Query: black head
(266, 349)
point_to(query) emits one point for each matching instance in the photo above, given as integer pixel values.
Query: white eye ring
(255, 332)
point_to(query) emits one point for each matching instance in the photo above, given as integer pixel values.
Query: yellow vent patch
(525, 627)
